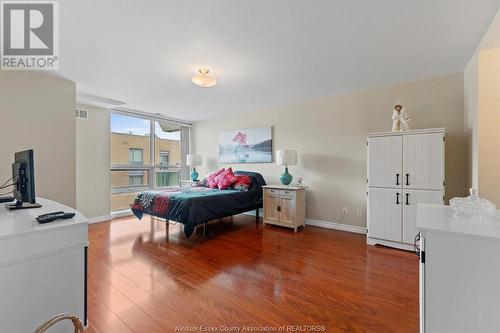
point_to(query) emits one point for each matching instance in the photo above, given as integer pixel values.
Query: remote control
(45, 218)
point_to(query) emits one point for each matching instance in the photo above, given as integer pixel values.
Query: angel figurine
(400, 119)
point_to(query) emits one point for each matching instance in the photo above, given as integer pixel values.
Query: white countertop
(441, 218)
(14, 223)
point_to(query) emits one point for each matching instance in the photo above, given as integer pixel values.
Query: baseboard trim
(337, 226)
(316, 223)
(324, 224)
(252, 213)
(122, 213)
(397, 245)
(99, 219)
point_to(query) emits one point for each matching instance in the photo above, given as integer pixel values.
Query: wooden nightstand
(285, 206)
(189, 183)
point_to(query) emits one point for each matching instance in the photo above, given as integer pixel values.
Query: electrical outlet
(345, 210)
(358, 212)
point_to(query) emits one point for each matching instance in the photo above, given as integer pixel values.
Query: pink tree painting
(251, 145)
(240, 138)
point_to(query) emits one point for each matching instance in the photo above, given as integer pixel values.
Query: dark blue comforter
(197, 205)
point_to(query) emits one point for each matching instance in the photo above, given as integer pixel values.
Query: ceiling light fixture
(203, 80)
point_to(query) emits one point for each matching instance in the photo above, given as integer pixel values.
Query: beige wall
(37, 110)
(330, 135)
(93, 182)
(471, 101)
(488, 125)
(470, 122)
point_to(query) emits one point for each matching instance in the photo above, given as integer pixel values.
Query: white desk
(42, 268)
(460, 278)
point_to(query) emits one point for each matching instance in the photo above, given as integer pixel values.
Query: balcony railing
(154, 177)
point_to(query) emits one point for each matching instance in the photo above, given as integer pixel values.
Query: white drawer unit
(404, 168)
(43, 268)
(284, 206)
(459, 271)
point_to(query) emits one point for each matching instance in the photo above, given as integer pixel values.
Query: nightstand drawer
(280, 193)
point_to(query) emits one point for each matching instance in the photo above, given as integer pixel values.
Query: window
(136, 178)
(135, 156)
(164, 158)
(145, 154)
(166, 178)
(168, 146)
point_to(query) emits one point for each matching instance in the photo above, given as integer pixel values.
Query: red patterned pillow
(242, 183)
(225, 179)
(211, 182)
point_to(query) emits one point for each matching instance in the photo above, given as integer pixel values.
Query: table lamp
(286, 158)
(194, 160)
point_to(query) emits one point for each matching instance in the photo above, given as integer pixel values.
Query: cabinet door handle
(278, 208)
(407, 179)
(407, 196)
(397, 198)
(397, 179)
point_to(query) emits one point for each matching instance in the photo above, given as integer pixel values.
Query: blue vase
(285, 177)
(194, 175)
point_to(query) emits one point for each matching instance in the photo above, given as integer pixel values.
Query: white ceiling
(264, 53)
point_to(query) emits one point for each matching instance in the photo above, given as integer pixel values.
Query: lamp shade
(193, 160)
(286, 157)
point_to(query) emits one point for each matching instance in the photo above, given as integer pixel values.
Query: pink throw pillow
(225, 179)
(211, 182)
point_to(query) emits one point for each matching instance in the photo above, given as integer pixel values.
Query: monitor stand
(6, 199)
(24, 205)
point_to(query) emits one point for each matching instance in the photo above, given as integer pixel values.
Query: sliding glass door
(145, 154)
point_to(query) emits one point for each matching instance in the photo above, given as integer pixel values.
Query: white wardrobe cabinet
(388, 224)
(385, 161)
(410, 200)
(404, 168)
(423, 161)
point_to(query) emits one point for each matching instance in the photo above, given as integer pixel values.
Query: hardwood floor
(242, 274)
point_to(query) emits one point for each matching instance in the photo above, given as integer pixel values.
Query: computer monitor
(23, 178)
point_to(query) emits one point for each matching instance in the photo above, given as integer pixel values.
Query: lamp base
(194, 175)
(285, 177)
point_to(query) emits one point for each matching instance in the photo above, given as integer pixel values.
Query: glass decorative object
(472, 206)
(300, 182)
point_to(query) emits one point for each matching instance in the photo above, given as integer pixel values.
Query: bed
(199, 205)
